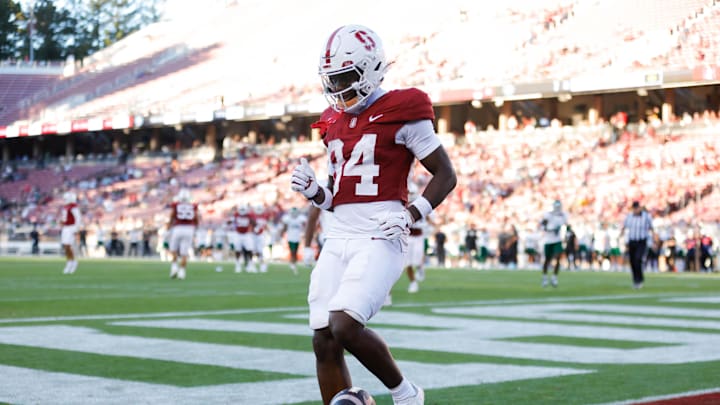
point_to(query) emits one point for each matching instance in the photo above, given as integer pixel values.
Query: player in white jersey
(293, 226)
(552, 224)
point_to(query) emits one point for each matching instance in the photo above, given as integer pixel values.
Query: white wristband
(327, 202)
(423, 206)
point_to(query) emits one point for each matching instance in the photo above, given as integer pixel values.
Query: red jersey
(261, 221)
(366, 163)
(68, 216)
(184, 213)
(242, 223)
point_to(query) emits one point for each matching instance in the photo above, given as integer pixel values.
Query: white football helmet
(242, 209)
(184, 195)
(70, 197)
(557, 206)
(259, 209)
(352, 65)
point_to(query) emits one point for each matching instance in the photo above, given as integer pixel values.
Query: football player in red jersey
(183, 221)
(372, 138)
(70, 219)
(261, 219)
(243, 240)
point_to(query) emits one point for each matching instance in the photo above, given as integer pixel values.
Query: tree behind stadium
(46, 31)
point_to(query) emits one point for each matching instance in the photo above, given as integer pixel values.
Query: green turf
(585, 342)
(127, 368)
(35, 292)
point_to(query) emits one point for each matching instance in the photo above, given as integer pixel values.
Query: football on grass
(352, 396)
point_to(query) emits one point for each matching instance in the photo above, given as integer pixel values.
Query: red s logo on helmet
(366, 39)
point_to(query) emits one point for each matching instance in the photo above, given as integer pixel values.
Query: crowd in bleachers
(596, 171)
(164, 68)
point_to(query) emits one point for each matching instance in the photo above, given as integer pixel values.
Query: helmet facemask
(352, 66)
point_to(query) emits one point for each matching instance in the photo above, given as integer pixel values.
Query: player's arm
(442, 183)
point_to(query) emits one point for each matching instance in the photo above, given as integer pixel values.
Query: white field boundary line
(303, 308)
(664, 397)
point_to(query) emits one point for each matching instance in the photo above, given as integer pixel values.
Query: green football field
(120, 331)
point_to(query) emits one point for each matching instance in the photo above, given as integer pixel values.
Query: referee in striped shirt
(638, 224)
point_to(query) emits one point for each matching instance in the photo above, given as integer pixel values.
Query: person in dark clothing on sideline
(638, 224)
(35, 237)
(440, 239)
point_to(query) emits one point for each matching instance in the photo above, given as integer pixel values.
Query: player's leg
(546, 263)
(373, 267)
(173, 246)
(260, 252)
(293, 247)
(68, 258)
(67, 239)
(185, 245)
(332, 372)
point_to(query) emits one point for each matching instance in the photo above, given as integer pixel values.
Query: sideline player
(415, 257)
(243, 239)
(552, 223)
(183, 221)
(71, 219)
(293, 225)
(372, 138)
(261, 221)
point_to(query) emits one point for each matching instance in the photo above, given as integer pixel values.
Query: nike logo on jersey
(374, 117)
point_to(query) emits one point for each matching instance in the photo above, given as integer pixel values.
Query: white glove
(303, 180)
(394, 224)
(308, 255)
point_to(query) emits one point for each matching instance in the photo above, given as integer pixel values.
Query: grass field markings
(535, 300)
(678, 395)
(703, 300)
(588, 342)
(686, 317)
(71, 389)
(135, 295)
(558, 312)
(484, 337)
(131, 368)
(429, 375)
(150, 315)
(476, 336)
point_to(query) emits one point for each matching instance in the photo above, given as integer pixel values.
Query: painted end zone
(710, 398)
